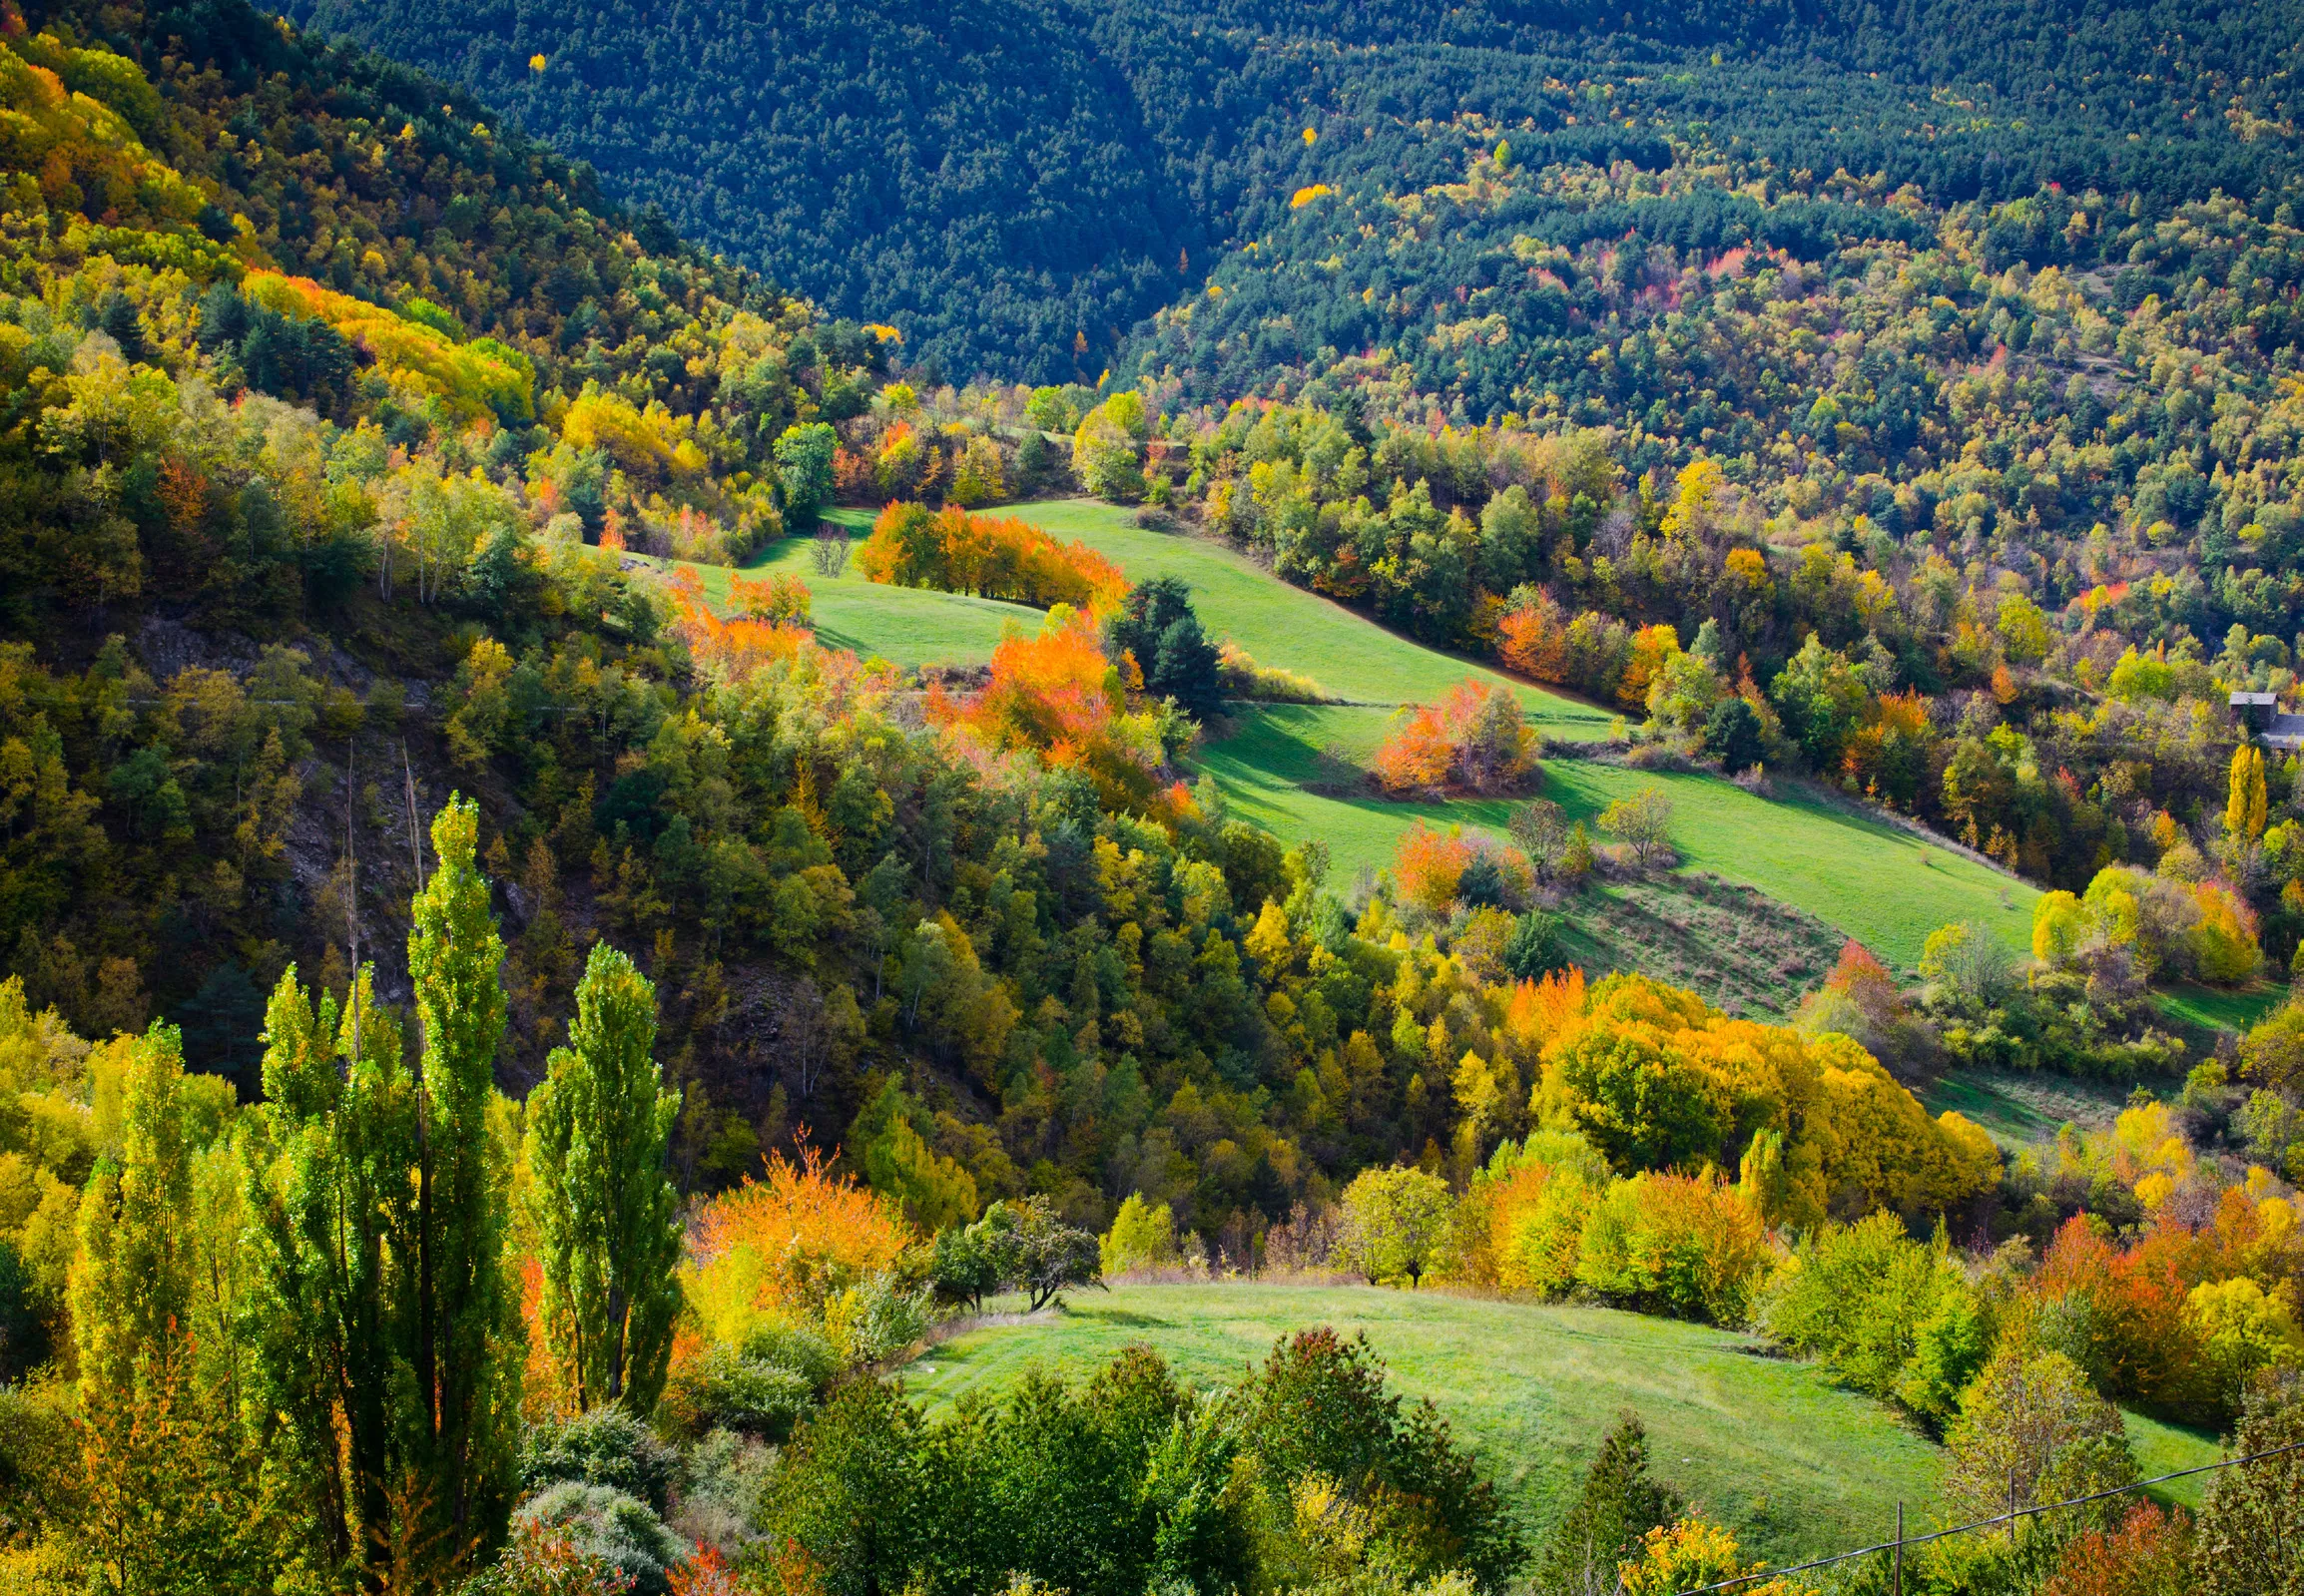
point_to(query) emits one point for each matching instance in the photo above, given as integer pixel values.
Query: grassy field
(1873, 881)
(1865, 880)
(909, 626)
(2207, 1010)
(1795, 1466)
(1347, 654)
(2026, 1108)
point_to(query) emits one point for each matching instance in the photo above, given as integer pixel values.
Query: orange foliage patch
(1056, 695)
(2150, 1552)
(1535, 640)
(1429, 865)
(777, 597)
(772, 1244)
(1475, 737)
(994, 557)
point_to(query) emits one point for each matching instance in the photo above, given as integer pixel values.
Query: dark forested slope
(1015, 183)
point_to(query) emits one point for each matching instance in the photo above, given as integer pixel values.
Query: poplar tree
(331, 1160)
(161, 1508)
(464, 1341)
(603, 1207)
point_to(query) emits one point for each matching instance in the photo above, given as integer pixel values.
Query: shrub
(720, 1389)
(1143, 1236)
(610, 1527)
(1670, 1244)
(607, 1446)
(1533, 949)
(2248, 1529)
(1885, 1313)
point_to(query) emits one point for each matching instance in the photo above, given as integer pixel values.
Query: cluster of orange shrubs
(1056, 695)
(1476, 738)
(993, 557)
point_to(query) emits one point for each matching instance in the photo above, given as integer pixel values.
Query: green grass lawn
(1797, 1468)
(1872, 880)
(909, 626)
(2164, 1449)
(1347, 654)
(2210, 1009)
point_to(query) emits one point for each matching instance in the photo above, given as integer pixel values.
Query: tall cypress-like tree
(163, 1507)
(603, 1207)
(464, 1341)
(332, 1161)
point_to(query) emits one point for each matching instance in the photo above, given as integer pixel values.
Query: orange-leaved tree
(1475, 737)
(779, 1245)
(1056, 695)
(994, 557)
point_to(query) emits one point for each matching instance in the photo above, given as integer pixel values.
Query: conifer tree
(1619, 1504)
(603, 1207)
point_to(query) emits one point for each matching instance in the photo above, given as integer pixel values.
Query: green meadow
(1867, 880)
(1874, 881)
(1350, 656)
(1797, 1466)
(1770, 1447)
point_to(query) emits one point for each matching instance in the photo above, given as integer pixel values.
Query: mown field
(1874, 881)
(1795, 1466)
(1350, 656)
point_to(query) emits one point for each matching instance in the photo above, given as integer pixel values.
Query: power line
(1985, 1523)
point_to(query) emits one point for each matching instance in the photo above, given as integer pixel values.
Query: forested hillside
(510, 1036)
(1017, 185)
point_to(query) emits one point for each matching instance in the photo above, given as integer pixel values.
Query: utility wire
(1985, 1523)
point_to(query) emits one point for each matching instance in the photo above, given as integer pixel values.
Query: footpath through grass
(1874, 881)
(1797, 1468)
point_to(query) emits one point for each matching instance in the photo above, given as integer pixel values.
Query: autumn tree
(1643, 821)
(1395, 1220)
(605, 1214)
(465, 1339)
(164, 1505)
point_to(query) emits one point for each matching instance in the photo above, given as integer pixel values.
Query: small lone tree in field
(1643, 820)
(1394, 1223)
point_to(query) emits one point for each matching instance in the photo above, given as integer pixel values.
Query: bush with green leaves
(607, 1446)
(1888, 1315)
(602, 1523)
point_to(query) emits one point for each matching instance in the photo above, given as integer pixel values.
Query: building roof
(2285, 732)
(2254, 700)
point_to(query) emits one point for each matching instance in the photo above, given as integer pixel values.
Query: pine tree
(1619, 1504)
(464, 1341)
(603, 1207)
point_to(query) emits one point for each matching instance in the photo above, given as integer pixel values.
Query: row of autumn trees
(298, 1344)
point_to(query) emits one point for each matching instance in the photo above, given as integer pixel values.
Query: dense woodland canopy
(499, 1054)
(1018, 185)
